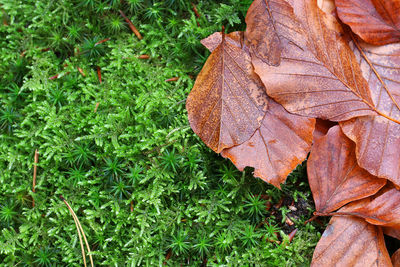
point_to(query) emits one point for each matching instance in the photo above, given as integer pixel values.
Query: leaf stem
(36, 160)
(80, 229)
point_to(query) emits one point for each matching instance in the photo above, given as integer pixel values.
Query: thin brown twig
(81, 72)
(79, 232)
(196, 12)
(145, 56)
(99, 74)
(131, 26)
(173, 79)
(96, 107)
(102, 41)
(292, 234)
(80, 228)
(36, 160)
(53, 77)
(311, 219)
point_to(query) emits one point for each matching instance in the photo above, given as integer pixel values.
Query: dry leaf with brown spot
(351, 241)
(277, 147)
(375, 21)
(334, 175)
(228, 102)
(261, 33)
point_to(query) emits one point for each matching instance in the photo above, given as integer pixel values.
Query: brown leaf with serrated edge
(334, 175)
(261, 34)
(382, 209)
(277, 147)
(375, 21)
(318, 75)
(228, 102)
(378, 138)
(351, 241)
(211, 42)
(396, 258)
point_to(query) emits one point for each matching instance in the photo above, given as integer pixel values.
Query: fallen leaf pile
(319, 77)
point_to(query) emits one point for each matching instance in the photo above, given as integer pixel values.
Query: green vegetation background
(136, 152)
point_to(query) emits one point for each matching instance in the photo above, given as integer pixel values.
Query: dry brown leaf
(396, 258)
(228, 102)
(383, 209)
(350, 241)
(375, 21)
(334, 175)
(261, 33)
(277, 147)
(318, 75)
(378, 138)
(212, 41)
(283, 139)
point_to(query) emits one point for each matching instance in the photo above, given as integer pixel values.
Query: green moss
(143, 185)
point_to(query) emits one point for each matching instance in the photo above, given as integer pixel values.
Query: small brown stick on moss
(131, 26)
(173, 79)
(196, 12)
(168, 256)
(292, 234)
(99, 73)
(80, 233)
(102, 41)
(81, 72)
(144, 56)
(36, 160)
(311, 219)
(96, 107)
(53, 77)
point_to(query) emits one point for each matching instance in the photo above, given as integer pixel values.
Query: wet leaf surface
(334, 175)
(375, 21)
(228, 102)
(351, 241)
